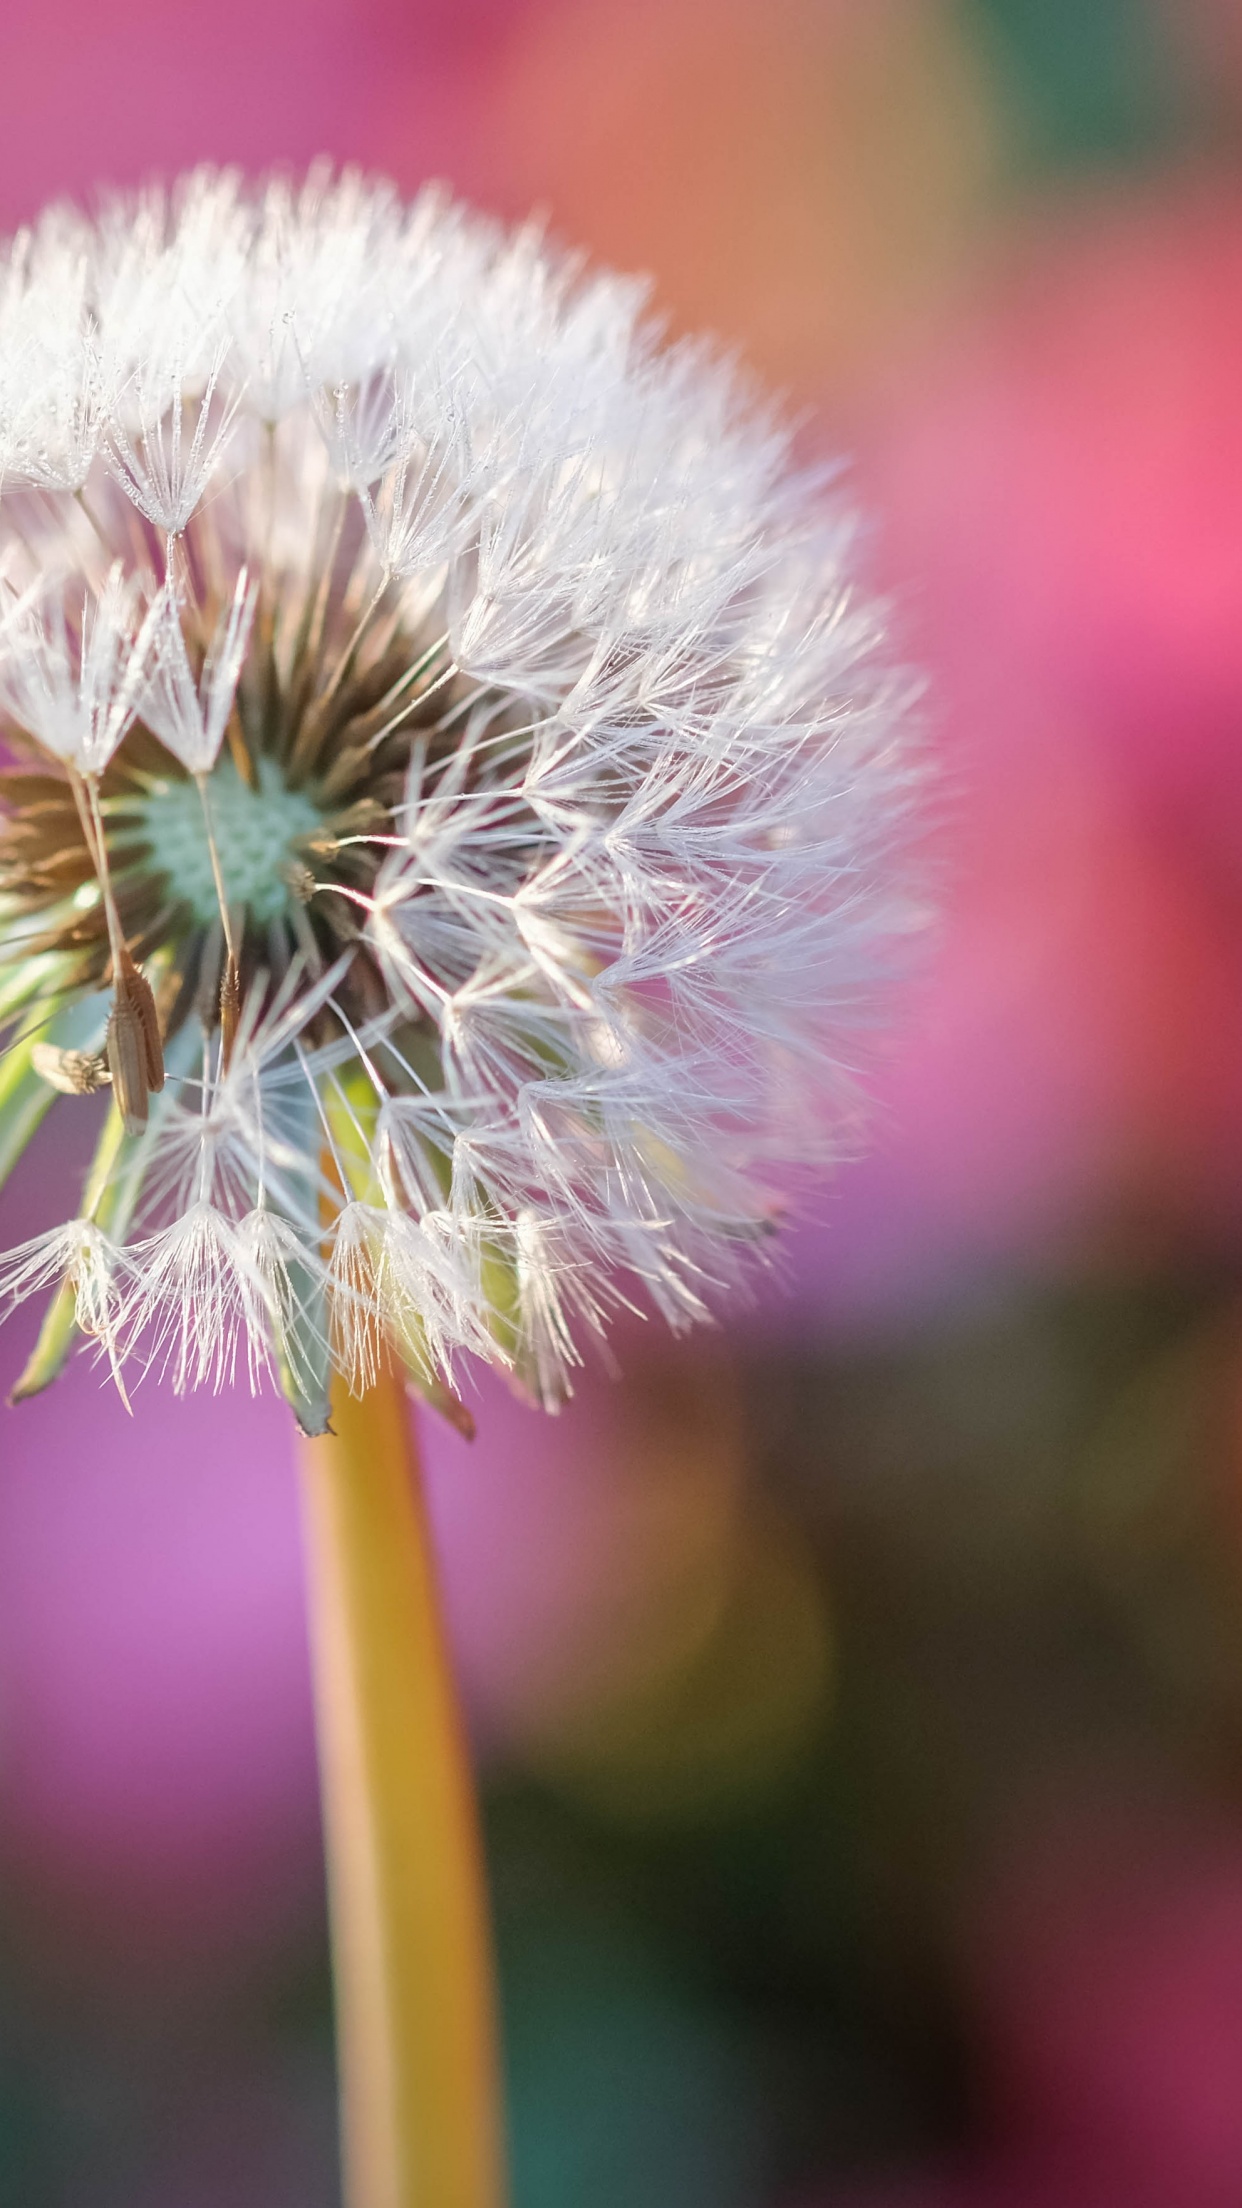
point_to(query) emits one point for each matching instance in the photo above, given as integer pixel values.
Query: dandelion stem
(93, 518)
(217, 873)
(344, 664)
(86, 798)
(420, 2111)
(230, 987)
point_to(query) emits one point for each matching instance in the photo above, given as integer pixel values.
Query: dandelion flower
(460, 797)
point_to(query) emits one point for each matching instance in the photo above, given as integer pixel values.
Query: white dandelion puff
(190, 714)
(290, 1279)
(396, 1283)
(195, 1300)
(166, 439)
(71, 659)
(54, 386)
(79, 1256)
(452, 728)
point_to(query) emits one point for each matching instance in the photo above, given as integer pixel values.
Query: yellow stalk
(420, 2097)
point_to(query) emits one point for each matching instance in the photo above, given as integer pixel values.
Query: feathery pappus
(458, 798)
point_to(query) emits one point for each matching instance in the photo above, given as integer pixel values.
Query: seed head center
(255, 831)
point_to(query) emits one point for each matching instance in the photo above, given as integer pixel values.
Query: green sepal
(351, 1106)
(110, 1198)
(301, 1336)
(41, 976)
(50, 1354)
(445, 1401)
(302, 1349)
(24, 1095)
(24, 1099)
(59, 1329)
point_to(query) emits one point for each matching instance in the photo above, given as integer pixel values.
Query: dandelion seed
(73, 1072)
(70, 659)
(448, 725)
(79, 1256)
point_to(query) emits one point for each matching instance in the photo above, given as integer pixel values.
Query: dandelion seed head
(462, 797)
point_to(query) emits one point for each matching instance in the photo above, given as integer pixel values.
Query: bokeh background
(858, 1692)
